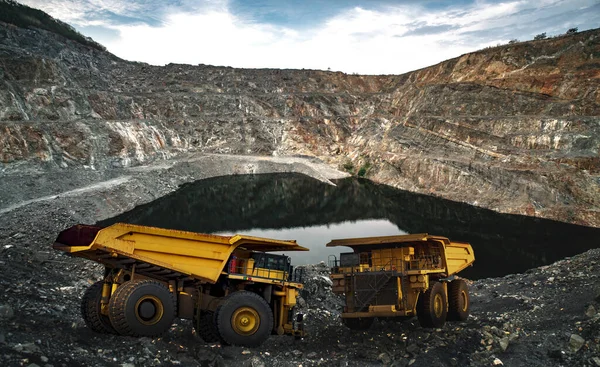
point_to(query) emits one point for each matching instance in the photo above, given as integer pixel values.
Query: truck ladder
(366, 285)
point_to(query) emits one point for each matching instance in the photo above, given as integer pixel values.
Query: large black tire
(244, 319)
(458, 300)
(142, 308)
(360, 323)
(432, 307)
(90, 310)
(206, 326)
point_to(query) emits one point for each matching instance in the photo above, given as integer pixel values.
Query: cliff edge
(514, 128)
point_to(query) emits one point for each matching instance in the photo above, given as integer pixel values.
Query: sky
(351, 36)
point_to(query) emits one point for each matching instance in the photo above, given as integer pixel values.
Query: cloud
(425, 29)
(117, 12)
(77, 13)
(389, 37)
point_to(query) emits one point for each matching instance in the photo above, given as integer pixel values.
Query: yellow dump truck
(402, 276)
(231, 286)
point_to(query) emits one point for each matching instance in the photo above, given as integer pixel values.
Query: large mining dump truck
(402, 276)
(233, 289)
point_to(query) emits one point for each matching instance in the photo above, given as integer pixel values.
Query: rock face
(514, 128)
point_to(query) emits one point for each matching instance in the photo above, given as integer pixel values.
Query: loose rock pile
(547, 316)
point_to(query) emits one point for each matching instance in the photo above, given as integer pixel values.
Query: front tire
(458, 300)
(142, 308)
(91, 310)
(432, 307)
(244, 319)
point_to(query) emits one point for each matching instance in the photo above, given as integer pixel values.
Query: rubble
(503, 327)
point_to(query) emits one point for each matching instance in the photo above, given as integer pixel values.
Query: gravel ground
(545, 317)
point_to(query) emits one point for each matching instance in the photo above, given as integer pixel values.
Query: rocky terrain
(543, 317)
(513, 128)
(86, 136)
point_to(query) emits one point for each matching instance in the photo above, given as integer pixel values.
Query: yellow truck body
(403, 275)
(231, 286)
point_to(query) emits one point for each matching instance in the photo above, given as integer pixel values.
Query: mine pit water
(297, 207)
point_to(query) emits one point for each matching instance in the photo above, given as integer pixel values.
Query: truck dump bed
(162, 253)
(456, 256)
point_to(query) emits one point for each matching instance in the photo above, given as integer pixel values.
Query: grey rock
(575, 343)
(311, 355)
(256, 361)
(504, 343)
(596, 361)
(41, 256)
(6, 312)
(423, 335)
(27, 348)
(590, 311)
(301, 302)
(384, 358)
(412, 348)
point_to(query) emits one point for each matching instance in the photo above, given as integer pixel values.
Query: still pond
(297, 207)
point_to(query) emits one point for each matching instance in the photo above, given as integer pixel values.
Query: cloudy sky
(353, 36)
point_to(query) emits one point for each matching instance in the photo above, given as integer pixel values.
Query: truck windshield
(271, 262)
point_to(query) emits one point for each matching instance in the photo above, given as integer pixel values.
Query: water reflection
(315, 237)
(295, 206)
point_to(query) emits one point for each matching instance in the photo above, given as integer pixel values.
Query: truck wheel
(360, 323)
(458, 300)
(90, 310)
(244, 319)
(142, 308)
(206, 326)
(432, 307)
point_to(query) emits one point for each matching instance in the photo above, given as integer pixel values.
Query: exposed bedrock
(514, 128)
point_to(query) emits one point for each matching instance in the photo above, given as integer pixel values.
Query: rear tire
(90, 310)
(244, 319)
(360, 323)
(206, 326)
(458, 300)
(432, 307)
(142, 308)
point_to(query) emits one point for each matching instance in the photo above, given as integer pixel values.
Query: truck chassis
(402, 276)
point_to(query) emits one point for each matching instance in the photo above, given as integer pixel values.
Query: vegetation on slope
(26, 17)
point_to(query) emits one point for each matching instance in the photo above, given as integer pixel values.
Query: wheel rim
(245, 321)
(438, 306)
(465, 301)
(149, 310)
